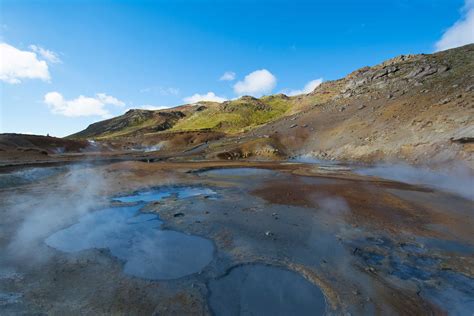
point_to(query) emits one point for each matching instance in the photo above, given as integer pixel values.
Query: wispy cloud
(161, 90)
(108, 99)
(227, 76)
(17, 65)
(210, 96)
(461, 32)
(46, 54)
(309, 87)
(256, 83)
(82, 105)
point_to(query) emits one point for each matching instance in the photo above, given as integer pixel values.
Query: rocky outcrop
(416, 108)
(132, 122)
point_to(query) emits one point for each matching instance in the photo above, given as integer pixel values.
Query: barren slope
(411, 107)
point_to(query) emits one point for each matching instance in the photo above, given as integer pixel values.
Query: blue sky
(95, 59)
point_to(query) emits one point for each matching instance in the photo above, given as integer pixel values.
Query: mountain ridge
(411, 107)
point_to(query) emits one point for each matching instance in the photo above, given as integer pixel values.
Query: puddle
(333, 165)
(257, 289)
(10, 298)
(412, 269)
(447, 245)
(412, 261)
(455, 293)
(9, 274)
(238, 172)
(27, 176)
(164, 192)
(137, 239)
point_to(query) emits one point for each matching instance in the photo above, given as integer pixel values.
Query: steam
(454, 178)
(307, 158)
(329, 239)
(331, 213)
(150, 148)
(153, 148)
(44, 212)
(457, 179)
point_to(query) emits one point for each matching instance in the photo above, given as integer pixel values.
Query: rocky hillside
(134, 122)
(18, 148)
(412, 107)
(230, 117)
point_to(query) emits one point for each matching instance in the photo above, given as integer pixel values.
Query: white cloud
(309, 87)
(227, 76)
(461, 32)
(210, 96)
(49, 55)
(81, 106)
(256, 83)
(16, 65)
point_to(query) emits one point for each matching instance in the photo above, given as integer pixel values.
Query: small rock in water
(178, 214)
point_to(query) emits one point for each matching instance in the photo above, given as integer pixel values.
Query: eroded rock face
(401, 70)
(409, 108)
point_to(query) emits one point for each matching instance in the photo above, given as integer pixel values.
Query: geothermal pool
(236, 238)
(257, 289)
(137, 239)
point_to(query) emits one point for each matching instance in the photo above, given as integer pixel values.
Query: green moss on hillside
(237, 115)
